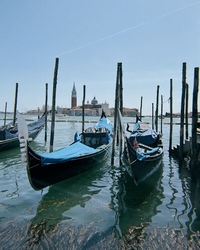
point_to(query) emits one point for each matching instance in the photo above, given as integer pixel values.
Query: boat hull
(140, 170)
(43, 176)
(14, 142)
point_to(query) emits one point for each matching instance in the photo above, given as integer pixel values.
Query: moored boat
(144, 151)
(9, 134)
(88, 148)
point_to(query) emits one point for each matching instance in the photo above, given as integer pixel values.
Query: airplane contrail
(130, 28)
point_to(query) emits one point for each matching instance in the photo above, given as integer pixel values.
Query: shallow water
(101, 208)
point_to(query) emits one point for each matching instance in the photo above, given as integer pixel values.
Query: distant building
(127, 112)
(74, 98)
(130, 112)
(94, 101)
(91, 109)
(98, 107)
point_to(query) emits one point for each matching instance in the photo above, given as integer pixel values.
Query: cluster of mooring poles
(119, 133)
(53, 111)
(15, 108)
(155, 114)
(188, 147)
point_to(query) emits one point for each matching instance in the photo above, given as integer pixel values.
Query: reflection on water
(73, 202)
(174, 191)
(100, 208)
(191, 191)
(137, 204)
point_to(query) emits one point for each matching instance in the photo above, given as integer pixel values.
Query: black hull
(14, 142)
(141, 170)
(43, 176)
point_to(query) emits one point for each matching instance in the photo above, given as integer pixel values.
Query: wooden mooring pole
(5, 114)
(141, 100)
(121, 88)
(157, 105)
(121, 110)
(161, 118)
(46, 103)
(38, 113)
(120, 105)
(15, 105)
(115, 113)
(152, 115)
(186, 112)
(171, 116)
(53, 105)
(182, 112)
(83, 110)
(194, 157)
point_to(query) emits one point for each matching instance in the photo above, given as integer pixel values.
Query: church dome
(94, 101)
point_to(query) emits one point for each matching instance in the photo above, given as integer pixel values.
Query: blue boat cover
(137, 125)
(142, 156)
(104, 123)
(77, 137)
(36, 125)
(66, 154)
(144, 136)
(5, 133)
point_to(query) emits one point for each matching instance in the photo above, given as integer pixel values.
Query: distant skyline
(151, 38)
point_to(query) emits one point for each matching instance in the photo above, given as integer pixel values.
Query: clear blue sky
(151, 38)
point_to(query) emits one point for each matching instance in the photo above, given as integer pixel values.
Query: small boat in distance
(9, 133)
(90, 147)
(144, 151)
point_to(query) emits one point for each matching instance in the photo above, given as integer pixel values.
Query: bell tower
(74, 98)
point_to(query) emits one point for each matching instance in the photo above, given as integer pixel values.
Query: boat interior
(95, 137)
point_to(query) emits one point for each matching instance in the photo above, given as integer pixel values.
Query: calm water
(100, 208)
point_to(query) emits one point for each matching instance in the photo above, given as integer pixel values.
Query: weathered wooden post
(152, 115)
(38, 113)
(161, 118)
(46, 103)
(115, 113)
(121, 110)
(83, 109)
(15, 105)
(53, 104)
(186, 112)
(141, 108)
(120, 99)
(121, 88)
(194, 157)
(5, 114)
(182, 112)
(171, 116)
(157, 105)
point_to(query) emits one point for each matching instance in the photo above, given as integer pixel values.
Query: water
(98, 209)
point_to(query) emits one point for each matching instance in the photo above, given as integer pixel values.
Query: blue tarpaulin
(63, 155)
(144, 136)
(141, 156)
(5, 133)
(104, 123)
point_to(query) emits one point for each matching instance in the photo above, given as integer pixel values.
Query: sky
(152, 39)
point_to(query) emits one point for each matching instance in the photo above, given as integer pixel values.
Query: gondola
(9, 133)
(90, 147)
(143, 152)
